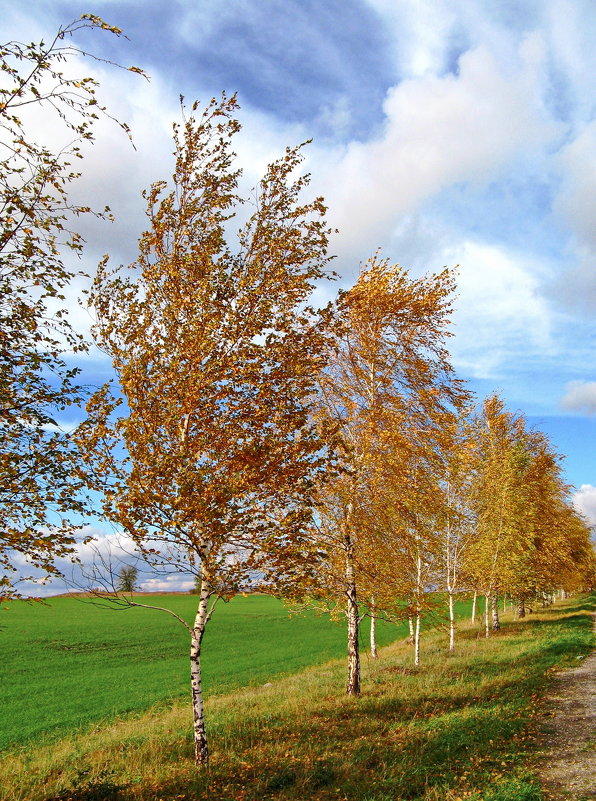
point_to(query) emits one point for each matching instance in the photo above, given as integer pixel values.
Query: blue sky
(444, 133)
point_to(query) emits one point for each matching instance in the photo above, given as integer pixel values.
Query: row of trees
(432, 494)
(250, 438)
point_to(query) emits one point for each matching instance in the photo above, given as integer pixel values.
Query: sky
(460, 133)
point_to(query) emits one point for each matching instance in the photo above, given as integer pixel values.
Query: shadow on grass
(359, 755)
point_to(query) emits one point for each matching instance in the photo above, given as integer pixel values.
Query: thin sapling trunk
(495, 610)
(373, 625)
(417, 639)
(353, 684)
(201, 748)
(451, 624)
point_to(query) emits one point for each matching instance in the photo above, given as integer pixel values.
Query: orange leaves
(525, 525)
(391, 393)
(216, 357)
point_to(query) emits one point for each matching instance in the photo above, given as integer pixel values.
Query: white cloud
(576, 200)
(336, 116)
(114, 546)
(100, 561)
(419, 31)
(498, 309)
(584, 501)
(439, 131)
(571, 26)
(575, 205)
(580, 397)
(174, 583)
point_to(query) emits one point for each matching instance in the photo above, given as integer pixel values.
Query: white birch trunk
(373, 626)
(417, 639)
(495, 610)
(200, 735)
(451, 578)
(474, 607)
(411, 627)
(451, 624)
(486, 626)
(353, 684)
(418, 607)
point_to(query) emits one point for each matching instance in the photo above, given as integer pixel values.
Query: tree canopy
(40, 486)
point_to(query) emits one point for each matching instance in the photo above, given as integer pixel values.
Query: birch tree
(550, 523)
(39, 484)
(457, 529)
(498, 502)
(388, 390)
(210, 465)
(524, 522)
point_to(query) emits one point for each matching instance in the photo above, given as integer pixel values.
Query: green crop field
(68, 663)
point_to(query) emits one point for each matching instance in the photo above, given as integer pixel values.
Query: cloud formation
(584, 501)
(439, 131)
(580, 397)
(97, 561)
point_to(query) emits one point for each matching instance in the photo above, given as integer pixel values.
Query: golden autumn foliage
(527, 535)
(215, 354)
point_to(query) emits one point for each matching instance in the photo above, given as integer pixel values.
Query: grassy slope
(459, 728)
(69, 662)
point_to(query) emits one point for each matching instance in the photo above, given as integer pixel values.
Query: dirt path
(567, 768)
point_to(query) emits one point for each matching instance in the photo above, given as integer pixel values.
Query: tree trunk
(417, 639)
(521, 609)
(451, 624)
(474, 607)
(495, 608)
(373, 625)
(411, 627)
(418, 604)
(353, 685)
(200, 734)
(486, 626)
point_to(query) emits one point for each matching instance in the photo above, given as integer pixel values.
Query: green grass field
(69, 662)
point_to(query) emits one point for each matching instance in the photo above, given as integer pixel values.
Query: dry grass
(459, 727)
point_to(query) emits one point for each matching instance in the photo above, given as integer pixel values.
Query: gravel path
(567, 767)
